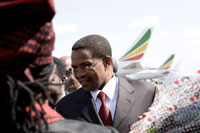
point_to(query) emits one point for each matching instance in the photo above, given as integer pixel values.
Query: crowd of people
(75, 93)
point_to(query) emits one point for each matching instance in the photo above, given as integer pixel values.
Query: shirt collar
(109, 89)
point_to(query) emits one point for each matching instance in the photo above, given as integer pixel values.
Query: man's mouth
(84, 82)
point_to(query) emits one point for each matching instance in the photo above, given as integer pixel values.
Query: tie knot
(102, 96)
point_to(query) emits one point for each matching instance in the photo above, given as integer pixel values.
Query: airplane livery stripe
(140, 42)
(167, 62)
(167, 65)
(137, 57)
(137, 51)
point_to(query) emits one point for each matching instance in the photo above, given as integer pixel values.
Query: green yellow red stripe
(166, 66)
(136, 52)
(137, 57)
(138, 48)
(168, 62)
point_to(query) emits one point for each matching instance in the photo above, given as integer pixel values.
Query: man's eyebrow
(83, 62)
(86, 61)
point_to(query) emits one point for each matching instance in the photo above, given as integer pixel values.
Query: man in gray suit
(125, 98)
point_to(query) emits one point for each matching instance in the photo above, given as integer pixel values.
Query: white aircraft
(129, 63)
(154, 73)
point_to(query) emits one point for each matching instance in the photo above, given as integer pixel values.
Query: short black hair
(60, 67)
(96, 44)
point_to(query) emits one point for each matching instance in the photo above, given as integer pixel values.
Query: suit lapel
(125, 101)
(88, 109)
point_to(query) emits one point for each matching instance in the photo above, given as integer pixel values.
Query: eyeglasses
(86, 66)
(94, 64)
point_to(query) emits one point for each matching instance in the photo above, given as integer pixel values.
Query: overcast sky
(176, 26)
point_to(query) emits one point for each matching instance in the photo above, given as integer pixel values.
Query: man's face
(91, 78)
(71, 83)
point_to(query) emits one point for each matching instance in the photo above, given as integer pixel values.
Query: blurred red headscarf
(26, 35)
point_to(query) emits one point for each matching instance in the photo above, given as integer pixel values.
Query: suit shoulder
(139, 83)
(67, 101)
(72, 96)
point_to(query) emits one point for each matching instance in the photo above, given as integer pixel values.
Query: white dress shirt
(111, 91)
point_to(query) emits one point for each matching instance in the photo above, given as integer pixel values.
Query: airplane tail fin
(167, 64)
(138, 48)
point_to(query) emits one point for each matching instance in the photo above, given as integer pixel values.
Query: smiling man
(104, 98)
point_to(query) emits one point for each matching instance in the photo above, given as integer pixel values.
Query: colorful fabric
(176, 107)
(49, 114)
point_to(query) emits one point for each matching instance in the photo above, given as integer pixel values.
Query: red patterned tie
(104, 111)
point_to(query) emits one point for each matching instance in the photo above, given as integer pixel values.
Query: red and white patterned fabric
(176, 107)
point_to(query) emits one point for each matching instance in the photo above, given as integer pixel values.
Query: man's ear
(107, 61)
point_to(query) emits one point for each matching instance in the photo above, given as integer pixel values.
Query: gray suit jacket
(134, 98)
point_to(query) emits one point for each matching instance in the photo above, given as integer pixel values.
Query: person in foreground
(104, 98)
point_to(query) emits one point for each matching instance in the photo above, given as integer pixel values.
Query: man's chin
(86, 89)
